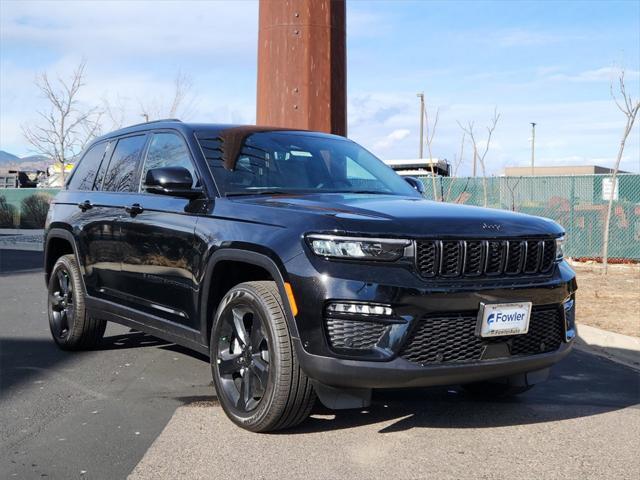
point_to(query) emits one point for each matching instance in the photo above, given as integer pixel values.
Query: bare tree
(457, 161)
(629, 107)
(180, 105)
(512, 191)
(469, 130)
(430, 133)
(115, 111)
(66, 127)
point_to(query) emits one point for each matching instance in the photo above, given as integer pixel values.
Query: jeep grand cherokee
(302, 266)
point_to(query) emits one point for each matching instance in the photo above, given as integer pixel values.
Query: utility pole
(421, 97)
(533, 146)
(302, 65)
(475, 158)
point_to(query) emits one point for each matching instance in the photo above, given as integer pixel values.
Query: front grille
(490, 258)
(353, 334)
(451, 338)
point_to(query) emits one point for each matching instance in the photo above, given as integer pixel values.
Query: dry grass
(612, 301)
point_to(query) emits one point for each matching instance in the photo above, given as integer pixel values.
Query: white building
(420, 167)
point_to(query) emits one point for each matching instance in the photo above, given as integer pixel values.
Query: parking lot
(143, 407)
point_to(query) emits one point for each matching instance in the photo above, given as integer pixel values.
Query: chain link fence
(578, 203)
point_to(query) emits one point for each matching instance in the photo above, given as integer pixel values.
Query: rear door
(94, 223)
(115, 183)
(159, 256)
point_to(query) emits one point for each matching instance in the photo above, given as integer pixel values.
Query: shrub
(33, 210)
(7, 214)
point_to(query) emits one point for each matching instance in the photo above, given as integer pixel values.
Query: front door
(158, 233)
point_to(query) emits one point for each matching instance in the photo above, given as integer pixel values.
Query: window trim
(178, 134)
(143, 133)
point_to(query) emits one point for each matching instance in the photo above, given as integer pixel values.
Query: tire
(256, 374)
(71, 327)
(493, 390)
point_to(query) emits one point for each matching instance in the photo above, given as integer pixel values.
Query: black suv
(302, 266)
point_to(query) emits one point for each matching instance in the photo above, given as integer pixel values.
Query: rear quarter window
(85, 172)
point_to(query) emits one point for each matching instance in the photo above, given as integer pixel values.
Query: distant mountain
(6, 157)
(35, 158)
(9, 161)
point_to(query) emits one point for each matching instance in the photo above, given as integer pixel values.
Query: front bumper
(400, 373)
(413, 300)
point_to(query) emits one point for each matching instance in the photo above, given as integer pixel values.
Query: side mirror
(415, 183)
(172, 181)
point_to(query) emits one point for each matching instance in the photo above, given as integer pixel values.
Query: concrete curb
(614, 346)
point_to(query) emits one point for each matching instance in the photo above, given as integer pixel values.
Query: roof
(176, 124)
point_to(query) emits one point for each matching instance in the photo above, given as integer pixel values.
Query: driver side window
(168, 150)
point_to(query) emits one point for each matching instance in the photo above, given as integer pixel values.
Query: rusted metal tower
(302, 75)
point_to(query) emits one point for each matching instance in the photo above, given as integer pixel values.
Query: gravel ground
(580, 424)
(611, 301)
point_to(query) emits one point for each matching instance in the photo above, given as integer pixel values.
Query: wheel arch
(251, 259)
(59, 242)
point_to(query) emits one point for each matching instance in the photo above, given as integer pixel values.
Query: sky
(547, 62)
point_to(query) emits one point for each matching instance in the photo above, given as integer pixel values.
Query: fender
(250, 257)
(65, 235)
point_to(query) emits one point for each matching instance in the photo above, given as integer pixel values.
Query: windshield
(248, 161)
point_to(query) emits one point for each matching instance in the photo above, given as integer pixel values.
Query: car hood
(392, 215)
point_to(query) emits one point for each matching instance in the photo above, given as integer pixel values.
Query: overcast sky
(544, 62)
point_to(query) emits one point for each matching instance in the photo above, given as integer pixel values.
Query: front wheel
(257, 377)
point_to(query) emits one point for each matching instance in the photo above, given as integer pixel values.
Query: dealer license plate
(497, 319)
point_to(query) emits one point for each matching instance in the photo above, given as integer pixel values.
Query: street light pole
(533, 146)
(421, 97)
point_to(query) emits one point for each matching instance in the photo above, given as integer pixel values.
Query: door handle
(134, 209)
(84, 206)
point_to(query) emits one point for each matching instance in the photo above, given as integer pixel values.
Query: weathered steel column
(302, 65)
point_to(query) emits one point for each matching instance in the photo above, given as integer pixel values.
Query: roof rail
(154, 121)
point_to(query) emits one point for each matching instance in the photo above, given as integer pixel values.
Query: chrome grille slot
(484, 258)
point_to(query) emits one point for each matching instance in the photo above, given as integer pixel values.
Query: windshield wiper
(373, 192)
(258, 192)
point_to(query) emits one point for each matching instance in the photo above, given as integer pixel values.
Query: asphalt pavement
(90, 414)
(20, 260)
(143, 407)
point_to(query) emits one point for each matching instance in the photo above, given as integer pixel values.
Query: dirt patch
(612, 301)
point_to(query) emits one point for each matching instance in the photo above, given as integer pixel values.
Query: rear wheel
(257, 377)
(71, 327)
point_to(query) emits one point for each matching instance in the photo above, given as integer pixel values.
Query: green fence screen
(578, 203)
(24, 207)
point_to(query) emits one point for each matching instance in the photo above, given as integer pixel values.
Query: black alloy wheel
(62, 307)
(243, 357)
(72, 328)
(256, 374)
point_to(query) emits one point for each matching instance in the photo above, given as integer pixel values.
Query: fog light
(359, 309)
(569, 319)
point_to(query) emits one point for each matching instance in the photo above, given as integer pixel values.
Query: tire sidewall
(69, 266)
(245, 295)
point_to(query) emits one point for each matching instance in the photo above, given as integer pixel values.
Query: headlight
(380, 249)
(560, 248)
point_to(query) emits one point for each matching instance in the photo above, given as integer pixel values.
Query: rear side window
(85, 171)
(167, 150)
(122, 172)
